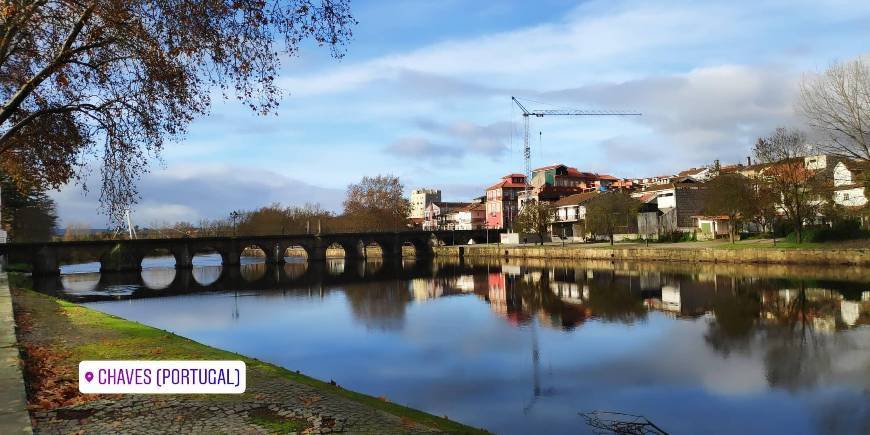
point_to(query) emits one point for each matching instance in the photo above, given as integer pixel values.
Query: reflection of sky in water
(460, 355)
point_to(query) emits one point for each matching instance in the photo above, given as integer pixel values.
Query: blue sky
(424, 93)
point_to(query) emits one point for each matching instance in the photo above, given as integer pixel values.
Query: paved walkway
(14, 418)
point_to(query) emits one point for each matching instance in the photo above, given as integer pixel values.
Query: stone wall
(860, 257)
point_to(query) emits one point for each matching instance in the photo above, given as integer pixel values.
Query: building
(471, 217)
(501, 201)
(441, 215)
(554, 182)
(420, 199)
(712, 227)
(569, 179)
(848, 185)
(570, 216)
(675, 204)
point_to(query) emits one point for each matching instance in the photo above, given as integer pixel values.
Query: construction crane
(527, 152)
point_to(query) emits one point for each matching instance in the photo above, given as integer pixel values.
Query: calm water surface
(519, 348)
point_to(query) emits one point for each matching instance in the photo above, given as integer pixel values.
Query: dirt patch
(278, 424)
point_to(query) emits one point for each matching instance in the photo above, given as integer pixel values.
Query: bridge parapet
(127, 255)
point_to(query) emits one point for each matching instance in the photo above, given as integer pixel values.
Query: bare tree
(111, 80)
(837, 102)
(796, 187)
(376, 203)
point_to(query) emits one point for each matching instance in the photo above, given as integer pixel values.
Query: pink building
(501, 201)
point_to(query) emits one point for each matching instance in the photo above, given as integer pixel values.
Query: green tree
(29, 215)
(535, 218)
(376, 203)
(729, 195)
(117, 78)
(609, 211)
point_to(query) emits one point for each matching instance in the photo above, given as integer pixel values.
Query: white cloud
(191, 192)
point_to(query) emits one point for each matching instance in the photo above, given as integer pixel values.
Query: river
(526, 347)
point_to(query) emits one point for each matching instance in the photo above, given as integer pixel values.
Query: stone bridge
(127, 255)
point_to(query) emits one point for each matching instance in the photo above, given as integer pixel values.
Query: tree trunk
(731, 230)
(797, 231)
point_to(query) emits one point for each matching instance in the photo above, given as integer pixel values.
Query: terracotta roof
(647, 197)
(505, 183)
(450, 205)
(690, 171)
(718, 218)
(473, 206)
(576, 199)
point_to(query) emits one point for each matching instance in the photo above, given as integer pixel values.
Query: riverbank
(14, 418)
(689, 252)
(55, 335)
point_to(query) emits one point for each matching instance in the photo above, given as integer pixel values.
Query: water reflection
(518, 348)
(207, 275)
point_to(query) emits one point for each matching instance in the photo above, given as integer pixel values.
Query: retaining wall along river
(858, 257)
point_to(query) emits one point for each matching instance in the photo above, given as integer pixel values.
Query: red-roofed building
(501, 201)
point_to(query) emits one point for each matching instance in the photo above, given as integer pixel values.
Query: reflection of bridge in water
(259, 277)
(127, 255)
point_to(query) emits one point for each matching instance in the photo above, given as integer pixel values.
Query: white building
(420, 199)
(848, 188)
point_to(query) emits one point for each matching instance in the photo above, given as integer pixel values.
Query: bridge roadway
(126, 255)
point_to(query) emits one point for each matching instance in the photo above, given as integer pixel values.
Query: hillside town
(667, 204)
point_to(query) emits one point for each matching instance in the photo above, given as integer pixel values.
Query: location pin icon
(89, 376)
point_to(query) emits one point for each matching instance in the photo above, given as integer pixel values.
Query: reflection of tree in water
(252, 271)
(379, 305)
(610, 298)
(735, 318)
(794, 328)
(797, 354)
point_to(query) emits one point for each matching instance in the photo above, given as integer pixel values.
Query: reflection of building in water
(425, 288)
(465, 283)
(570, 292)
(849, 312)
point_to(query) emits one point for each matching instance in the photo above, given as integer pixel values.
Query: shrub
(840, 230)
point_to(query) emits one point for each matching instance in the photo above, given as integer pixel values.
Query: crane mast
(527, 152)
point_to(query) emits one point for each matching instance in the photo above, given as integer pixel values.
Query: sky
(424, 91)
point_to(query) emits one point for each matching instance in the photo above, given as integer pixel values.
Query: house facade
(848, 187)
(471, 217)
(502, 201)
(568, 223)
(441, 215)
(674, 205)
